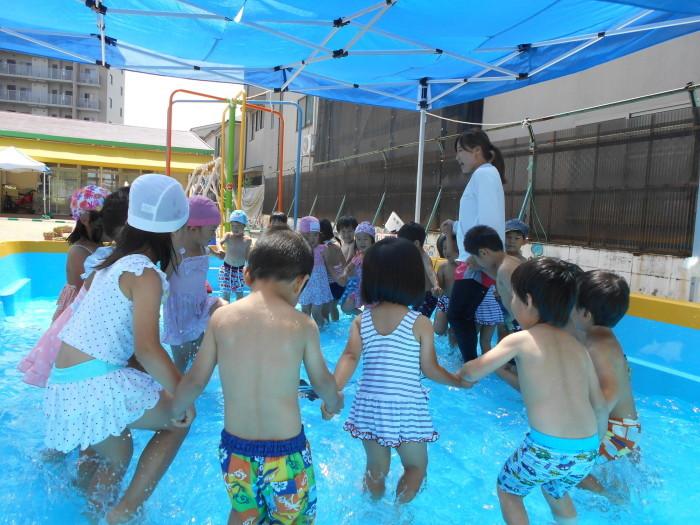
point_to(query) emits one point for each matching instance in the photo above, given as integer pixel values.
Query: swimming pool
(478, 429)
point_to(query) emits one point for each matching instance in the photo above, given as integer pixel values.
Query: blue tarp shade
(358, 51)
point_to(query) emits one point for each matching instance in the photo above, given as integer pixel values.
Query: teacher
(482, 203)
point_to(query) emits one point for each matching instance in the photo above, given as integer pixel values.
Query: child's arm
(347, 364)
(193, 382)
(321, 379)
(219, 250)
(494, 358)
(430, 274)
(249, 244)
(75, 266)
(600, 407)
(509, 377)
(333, 259)
(605, 370)
(428, 361)
(145, 291)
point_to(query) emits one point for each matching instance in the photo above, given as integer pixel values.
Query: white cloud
(146, 101)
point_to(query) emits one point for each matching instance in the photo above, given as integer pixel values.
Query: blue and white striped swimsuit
(391, 405)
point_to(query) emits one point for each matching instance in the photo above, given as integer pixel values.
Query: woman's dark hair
(392, 271)
(278, 216)
(326, 231)
(115, 211)
(605, 295)
(412, 231)
(475, 138)
(552, 285)
(281, 255)
(131, 241)
(480, 237)
(346, 221)
(81, 232)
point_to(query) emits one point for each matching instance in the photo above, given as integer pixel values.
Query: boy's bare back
(503, 284)
(261, 342)
(556, 375)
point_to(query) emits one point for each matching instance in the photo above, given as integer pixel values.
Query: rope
(480, 124)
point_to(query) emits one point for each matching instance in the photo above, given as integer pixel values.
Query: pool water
(479, 428)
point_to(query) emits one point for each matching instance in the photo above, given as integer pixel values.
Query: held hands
(185, 419)
(328, 412)
(436, 291)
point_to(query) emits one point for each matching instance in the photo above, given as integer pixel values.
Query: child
(565, 408)
(415, 233)
(188, 307)
(237, 247)
(446, 278)
(36, 365)
(395, 344)
(336, 259)
(603, 299)
(488, 317)
(278, 218)
(93, 399)
(351, 301)
(258, 344)
(516, 237)
(346, 231)
(317, 292)
(85, 205)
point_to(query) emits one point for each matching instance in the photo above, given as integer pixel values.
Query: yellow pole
(225, 226)
(241, 153)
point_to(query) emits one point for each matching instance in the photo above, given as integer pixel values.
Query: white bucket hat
(157, 204)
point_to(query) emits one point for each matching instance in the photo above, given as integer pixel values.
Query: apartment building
(60, 88)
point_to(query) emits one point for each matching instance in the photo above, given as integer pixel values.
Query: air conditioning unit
(308, 144)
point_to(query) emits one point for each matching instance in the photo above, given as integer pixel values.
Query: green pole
(379, 209)
(313, 205)
(274, 206)
(291, 206)
(340, 210)
(434, 210)
(230, 141)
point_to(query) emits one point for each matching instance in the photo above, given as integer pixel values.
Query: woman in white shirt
(482, 203)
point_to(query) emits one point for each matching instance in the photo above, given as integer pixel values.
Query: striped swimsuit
(391, 405)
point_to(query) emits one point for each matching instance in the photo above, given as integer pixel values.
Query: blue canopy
(408, 54)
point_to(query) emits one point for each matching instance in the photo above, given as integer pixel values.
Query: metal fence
(625, 184)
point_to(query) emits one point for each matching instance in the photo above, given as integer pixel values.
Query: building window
(111, 79)
(121, 91)
(307, 104)
(68, 116)
(110, 102)
(86, 118)
(121, 112)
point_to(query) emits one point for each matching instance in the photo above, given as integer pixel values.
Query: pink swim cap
(87, 199)
(309, 224)
(365, 227)
(203, 212)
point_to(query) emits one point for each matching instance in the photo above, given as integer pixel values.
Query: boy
(259, 344)
(603, 299)
(346, 231)
(565, 407)
(414, 232)
(237, 247)
(516, 237)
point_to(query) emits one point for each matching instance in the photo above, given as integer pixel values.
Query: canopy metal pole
(340, 209)
(531, 170)
(695, 281)
(419, 171)
(379, 209)
(43, 190)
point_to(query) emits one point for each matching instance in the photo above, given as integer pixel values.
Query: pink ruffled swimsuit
(186, 311)
(317, 290)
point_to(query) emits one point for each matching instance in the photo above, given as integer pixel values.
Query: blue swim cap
(239, 216)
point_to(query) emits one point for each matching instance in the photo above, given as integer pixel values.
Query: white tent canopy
(12, 159)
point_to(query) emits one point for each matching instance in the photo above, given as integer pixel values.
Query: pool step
(9, 295)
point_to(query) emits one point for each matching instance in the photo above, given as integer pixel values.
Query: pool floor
(478, 428)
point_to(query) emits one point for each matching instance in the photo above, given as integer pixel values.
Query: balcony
(44, 73)
(89, 104)
(89, 79)
(27, 97)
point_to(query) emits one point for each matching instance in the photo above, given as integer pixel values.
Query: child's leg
(348, 305)
(485, 337)
(184, 354)
(512, 508)
(317, 314)
(414, 458)
(113, 458)
(88, 463)
(378, 460)
(334, 314)
(440, 323)
(451, 338)
(562, 509)
(154, 461)
(591, 483)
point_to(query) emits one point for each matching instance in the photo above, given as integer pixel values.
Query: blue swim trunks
(557, 464)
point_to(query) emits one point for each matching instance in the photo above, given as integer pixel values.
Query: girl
(446, 279)
(85, 205)
(317, 292)
(93, 399)
(346, 231)
(395, 343)
(351, 301)
(37, 365)
(482, 203)
(188, 307)
(335, 257)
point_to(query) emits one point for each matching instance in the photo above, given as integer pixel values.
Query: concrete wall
(662, 67)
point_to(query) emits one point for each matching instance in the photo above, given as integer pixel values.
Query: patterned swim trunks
(557, 464)
(269, 481)
(620, 440)
(231, 278)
